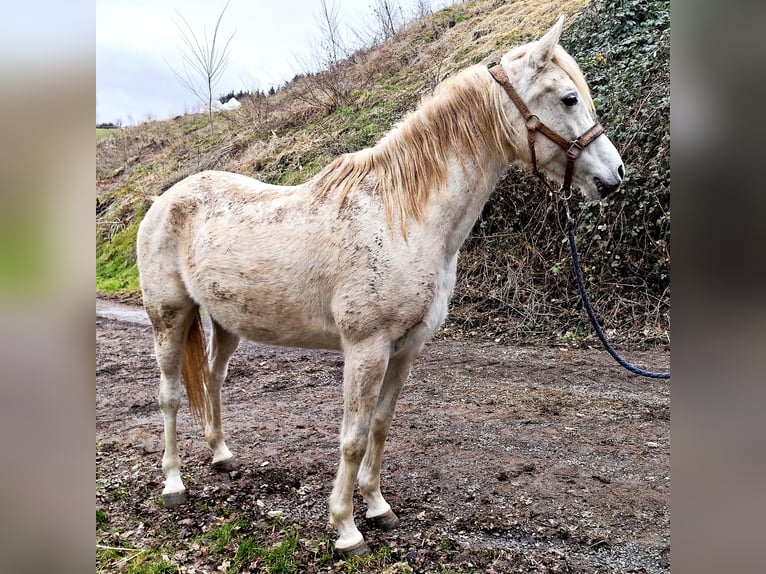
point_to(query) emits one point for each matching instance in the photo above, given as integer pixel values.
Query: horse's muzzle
(605, 188)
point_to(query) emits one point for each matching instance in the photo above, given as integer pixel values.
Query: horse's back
(255, 256)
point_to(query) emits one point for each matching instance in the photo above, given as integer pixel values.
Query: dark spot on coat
(279, 215)
(219, 292)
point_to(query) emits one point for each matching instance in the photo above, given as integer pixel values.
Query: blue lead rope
(592, 315)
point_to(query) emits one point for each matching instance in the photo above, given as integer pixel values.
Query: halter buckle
(533, 123)
(574, 149)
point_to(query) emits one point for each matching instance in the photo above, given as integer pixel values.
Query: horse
(361, 257)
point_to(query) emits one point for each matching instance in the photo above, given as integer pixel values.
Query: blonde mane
(463, 119)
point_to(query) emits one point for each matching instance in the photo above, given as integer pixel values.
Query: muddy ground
(500, 459)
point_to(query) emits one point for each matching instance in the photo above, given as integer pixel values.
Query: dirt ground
(500, 458)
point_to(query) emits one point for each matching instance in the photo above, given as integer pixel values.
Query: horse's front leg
(379, 512)
(364, 369)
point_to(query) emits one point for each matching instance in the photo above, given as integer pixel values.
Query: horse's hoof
(386, 521)
(225, 465)
(360, 549)
(171, 499)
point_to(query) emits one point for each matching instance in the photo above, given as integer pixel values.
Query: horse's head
(550, 84)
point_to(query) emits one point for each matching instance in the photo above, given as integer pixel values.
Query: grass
(116, 269)
(274, 552)
(376, 561)
(103, 133)
(239, 544)
(148, 562)
(131, 560)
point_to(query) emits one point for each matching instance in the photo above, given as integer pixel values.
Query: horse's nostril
(621, 171)
(605, 189)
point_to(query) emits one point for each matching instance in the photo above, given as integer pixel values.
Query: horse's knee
(169, 399)
(353, 448)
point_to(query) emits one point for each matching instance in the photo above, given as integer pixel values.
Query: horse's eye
(570, 99)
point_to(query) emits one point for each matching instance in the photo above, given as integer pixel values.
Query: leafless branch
(204, 61)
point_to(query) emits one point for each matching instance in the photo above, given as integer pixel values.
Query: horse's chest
(445, 283)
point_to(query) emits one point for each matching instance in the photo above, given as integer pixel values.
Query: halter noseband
(534, 125)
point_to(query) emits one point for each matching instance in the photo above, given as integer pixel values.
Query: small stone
(151, 446)
(234, 474)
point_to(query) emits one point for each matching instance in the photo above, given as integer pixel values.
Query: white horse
(361, 257)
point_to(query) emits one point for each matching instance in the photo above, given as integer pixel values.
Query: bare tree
(330, 40)
(203, 61)
(388, 17)
(422, 8)
(325, 77)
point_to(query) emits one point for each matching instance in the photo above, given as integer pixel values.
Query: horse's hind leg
(379, 512)
(222, 346)
(171, 324)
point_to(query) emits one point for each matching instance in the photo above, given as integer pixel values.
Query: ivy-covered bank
(517, 269)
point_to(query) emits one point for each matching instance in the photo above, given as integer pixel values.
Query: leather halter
(534, 125)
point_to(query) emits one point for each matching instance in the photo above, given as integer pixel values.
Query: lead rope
(592, 316)
(572, 149)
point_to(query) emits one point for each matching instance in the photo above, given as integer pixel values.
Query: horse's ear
(542, 52)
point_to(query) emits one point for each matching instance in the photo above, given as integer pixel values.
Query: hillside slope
(514, 279)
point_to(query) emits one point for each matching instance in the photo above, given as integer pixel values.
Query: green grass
(375, 561)
(240, 538)
(150, 563)
(248, 550)
(125, 558)
(221, 536)
(102, 133)
(116, 269)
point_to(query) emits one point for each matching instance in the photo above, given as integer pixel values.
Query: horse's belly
(274, 321)
(292, 334)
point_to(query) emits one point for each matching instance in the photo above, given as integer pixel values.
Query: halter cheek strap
(534, 125)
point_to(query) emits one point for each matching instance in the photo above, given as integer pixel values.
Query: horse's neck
(468, 189)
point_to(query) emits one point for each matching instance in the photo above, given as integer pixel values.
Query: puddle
(121, 312)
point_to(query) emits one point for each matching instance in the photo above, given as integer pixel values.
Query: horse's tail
(195, 370)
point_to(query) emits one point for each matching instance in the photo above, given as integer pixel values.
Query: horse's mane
(463, 118)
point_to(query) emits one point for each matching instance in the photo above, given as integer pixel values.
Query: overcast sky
(137, 42)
